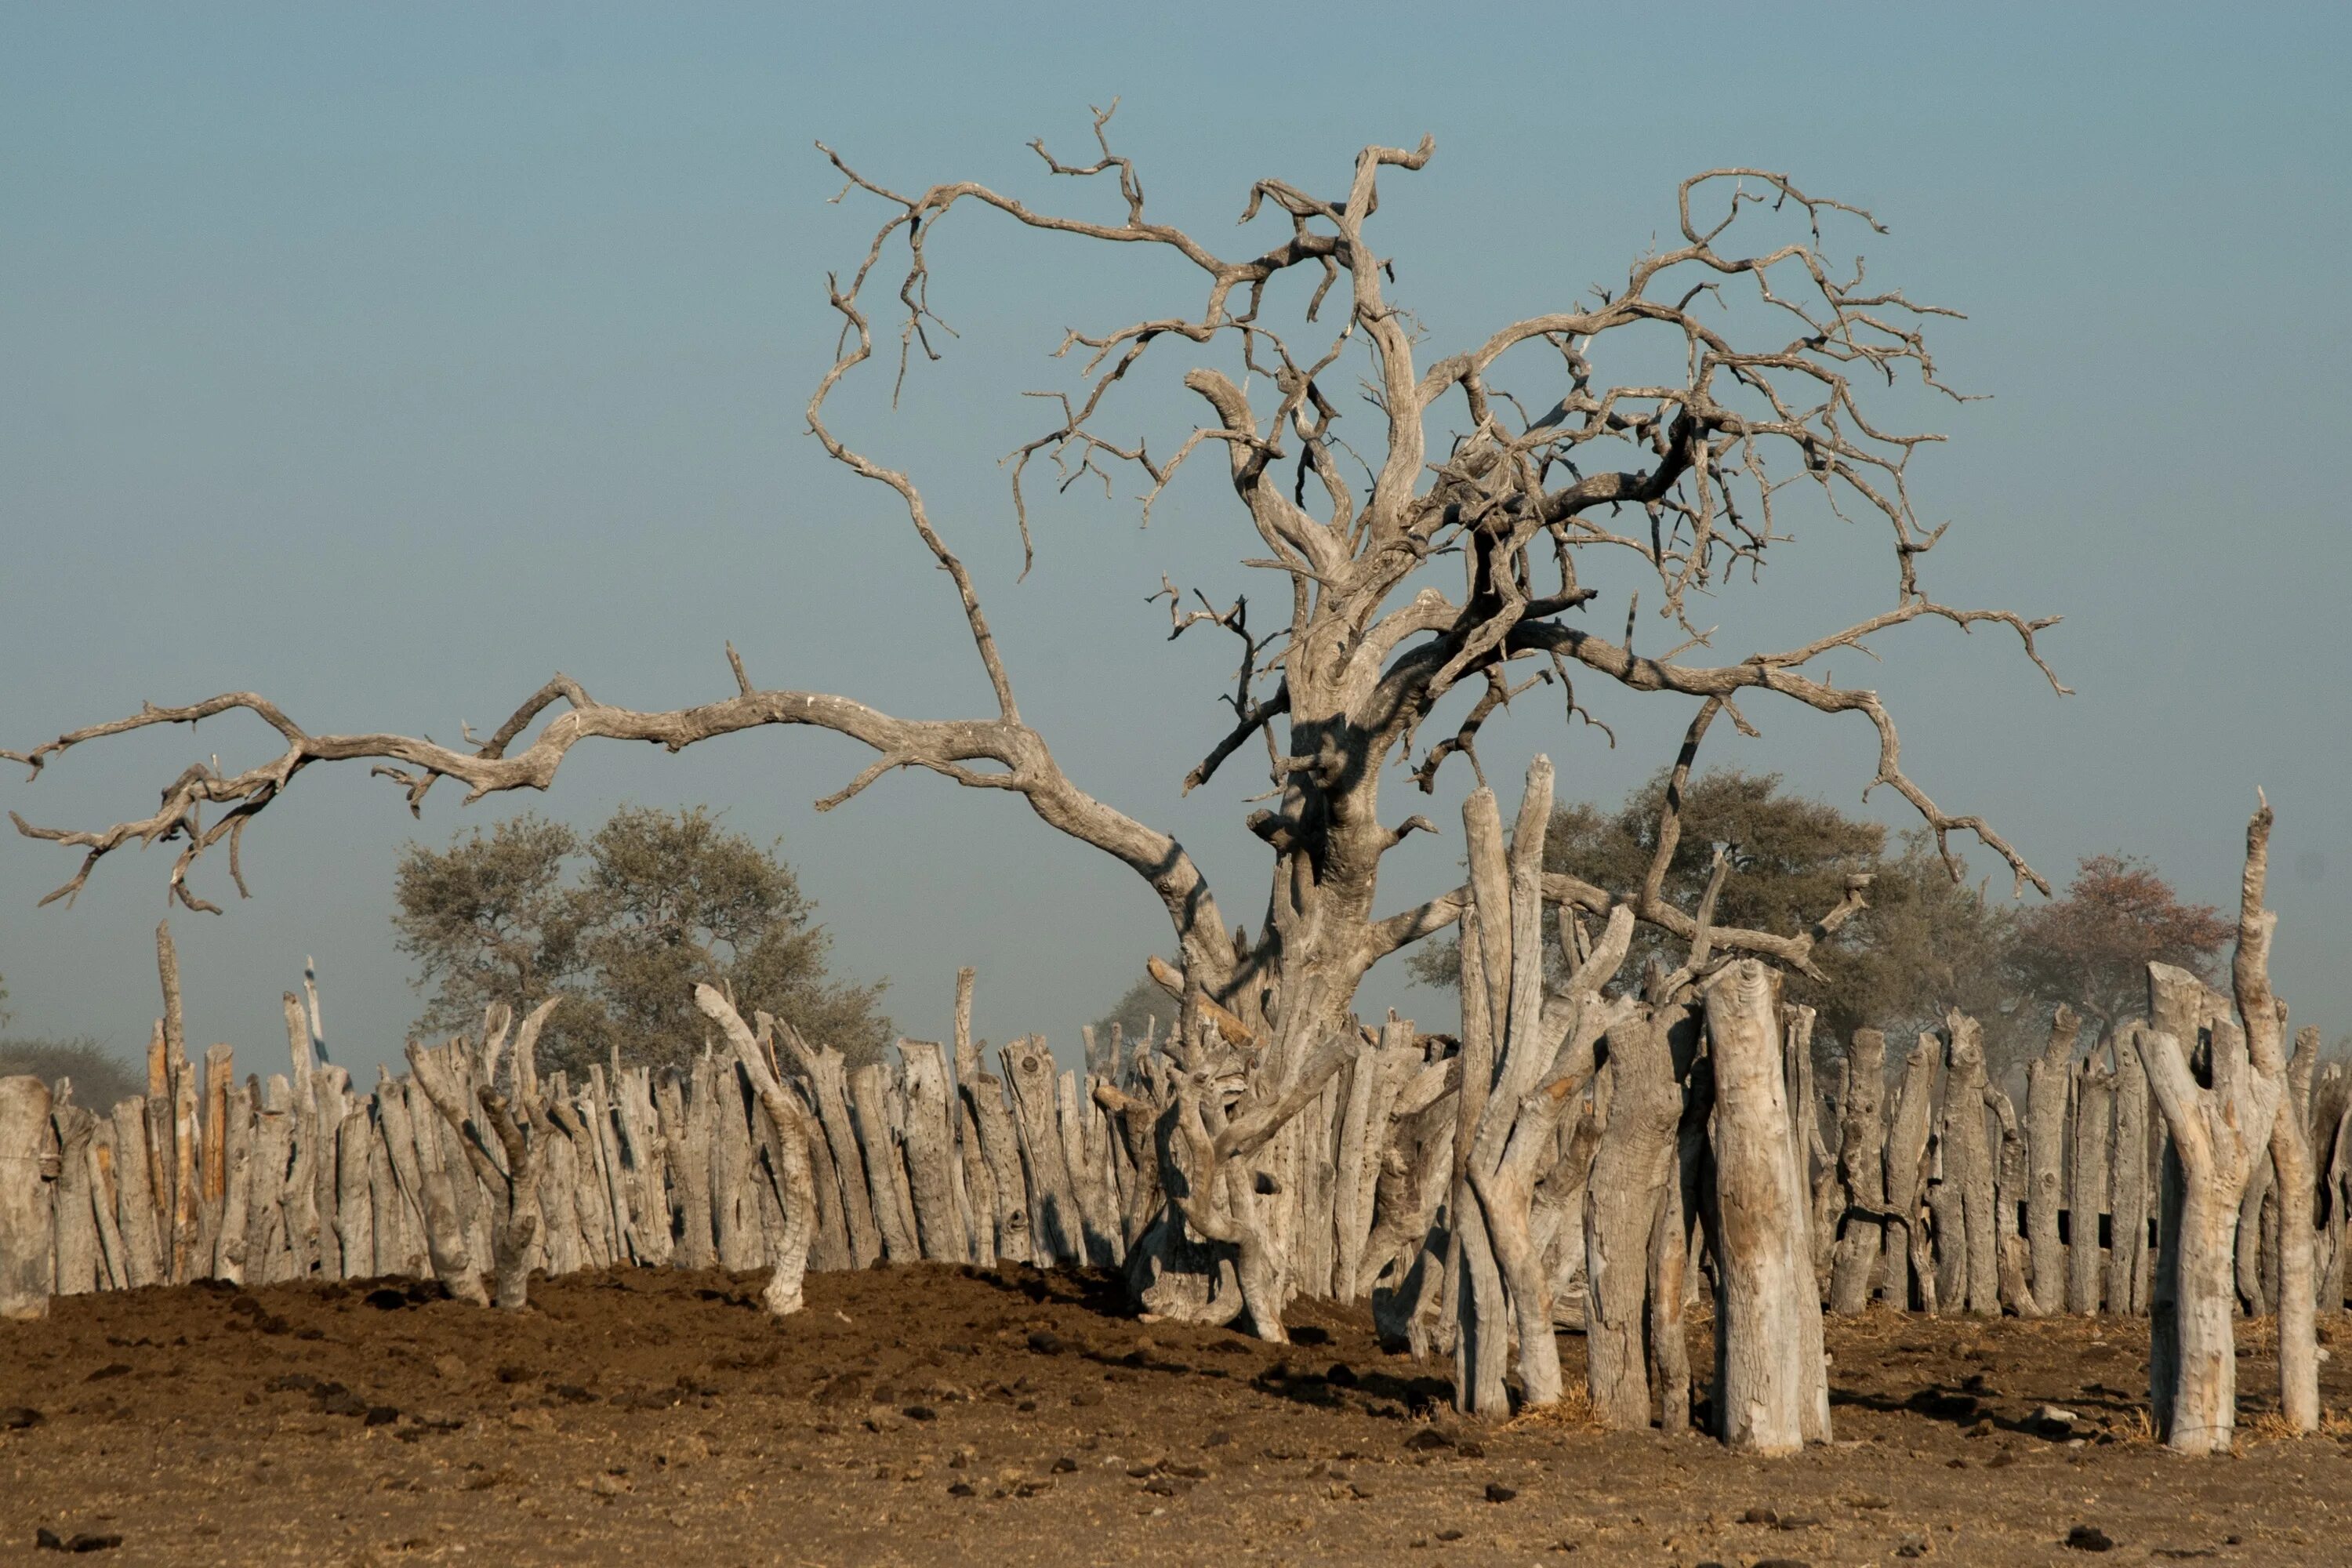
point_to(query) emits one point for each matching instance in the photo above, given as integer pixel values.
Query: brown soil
(936, 1415)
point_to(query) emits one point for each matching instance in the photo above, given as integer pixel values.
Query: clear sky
(387, 359)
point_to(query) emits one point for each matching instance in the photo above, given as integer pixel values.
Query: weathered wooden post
(1772, 1394)
(2048, 1081)
(1862, 1152)
(2128, 1250)
(2288, 1139)
(2094, 1126)
(28, 1173)
(795, 1129)
(1910, 1259)
(2217, 1132)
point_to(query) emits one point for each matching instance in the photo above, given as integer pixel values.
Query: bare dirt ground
(936, 1414)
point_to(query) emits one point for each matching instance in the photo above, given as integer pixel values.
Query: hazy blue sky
(388, 359)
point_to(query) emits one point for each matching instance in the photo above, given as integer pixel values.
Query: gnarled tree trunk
(1525, 1056)
(2288, 1139)
(2219, 1129)
(795, 1129)
(1634, 1181)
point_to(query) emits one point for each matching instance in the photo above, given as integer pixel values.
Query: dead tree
(1220, 1114)
(1513, 458)
(2219, 1109)
(1527, 1055)
(2264, 1016)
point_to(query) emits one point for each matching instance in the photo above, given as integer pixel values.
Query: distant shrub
(100, 1076)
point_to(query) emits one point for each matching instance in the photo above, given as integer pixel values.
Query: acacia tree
(664, 900)
(1509, 464)
(2091, 946)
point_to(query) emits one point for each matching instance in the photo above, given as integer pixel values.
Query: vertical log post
(28, 1174)
(1772, 1394)
(1910, 1260)
(1632, 1168)
(1057, 1231)
(2289, 1139)
(2218, 1129)
(985, 1208)
(79, 1265)
(795, 1130)
(2128, 1252)
(1862, 1153)
(1968, 1162)
(2094, 1125)
(2048, 1080)
(931, 1153)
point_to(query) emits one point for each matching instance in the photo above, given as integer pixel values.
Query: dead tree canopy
(1430, 527)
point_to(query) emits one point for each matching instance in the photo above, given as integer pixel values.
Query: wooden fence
(1933, 1194)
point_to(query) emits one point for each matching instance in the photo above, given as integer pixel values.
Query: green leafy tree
(673, 898)
(492, 919)
(100, 1076)
(621, 926)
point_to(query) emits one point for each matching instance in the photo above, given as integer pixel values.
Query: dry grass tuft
(2269, 1426)
(1573, 1412)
